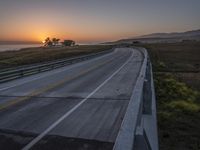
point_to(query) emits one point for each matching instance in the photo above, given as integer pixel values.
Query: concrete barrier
(139, 127)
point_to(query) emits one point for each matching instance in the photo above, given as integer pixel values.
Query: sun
(43, 41)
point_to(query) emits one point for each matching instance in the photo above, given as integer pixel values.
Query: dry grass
(36, 55)
(176, 69)
(184, 56)
(191, 79)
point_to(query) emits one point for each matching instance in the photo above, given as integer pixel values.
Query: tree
(68, 43)
(48, 42)
(55, 41)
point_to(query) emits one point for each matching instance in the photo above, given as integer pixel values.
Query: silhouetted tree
(68, 43)
(55, 41)
(48, 42)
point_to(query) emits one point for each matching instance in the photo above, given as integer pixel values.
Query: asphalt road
(80, 106)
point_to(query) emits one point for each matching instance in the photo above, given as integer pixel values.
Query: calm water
(16, 46)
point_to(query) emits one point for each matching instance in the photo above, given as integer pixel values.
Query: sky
(94, 20)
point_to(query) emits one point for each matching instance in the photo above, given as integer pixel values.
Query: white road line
(21, 83)
(45, 132)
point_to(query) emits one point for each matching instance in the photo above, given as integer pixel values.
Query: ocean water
(11, 47)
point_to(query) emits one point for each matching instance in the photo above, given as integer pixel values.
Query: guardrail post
(39, 69)
(22, 73)
(52, 66)
(18, 72)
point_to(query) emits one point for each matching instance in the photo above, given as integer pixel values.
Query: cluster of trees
(54, 41)
(68, 43)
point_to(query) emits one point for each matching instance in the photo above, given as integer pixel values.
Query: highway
(79, 106)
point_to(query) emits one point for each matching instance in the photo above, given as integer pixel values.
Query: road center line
(45, 132)
(58, 71)
(52, 86)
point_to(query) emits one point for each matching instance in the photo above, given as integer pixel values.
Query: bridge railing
(139, 127)
(14, 73)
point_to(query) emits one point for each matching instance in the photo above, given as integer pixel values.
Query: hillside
(174, 37)
(193, 33)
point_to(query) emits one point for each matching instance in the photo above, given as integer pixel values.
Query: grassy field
(177, 82)
(36, 55)
(178, 108)
(183, 57)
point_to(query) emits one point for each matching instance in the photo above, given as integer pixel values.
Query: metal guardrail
(14, 73)
(139, 127)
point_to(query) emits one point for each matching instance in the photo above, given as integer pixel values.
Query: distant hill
(162, 37)
(192, 33)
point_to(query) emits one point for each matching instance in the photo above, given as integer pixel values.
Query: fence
(14, 73)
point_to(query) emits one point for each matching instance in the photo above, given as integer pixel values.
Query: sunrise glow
(93, 21)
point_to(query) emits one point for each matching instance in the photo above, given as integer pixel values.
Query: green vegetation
(178, 108)
(176, 68)
(41, 54)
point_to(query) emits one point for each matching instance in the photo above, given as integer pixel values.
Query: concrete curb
(138, 129)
